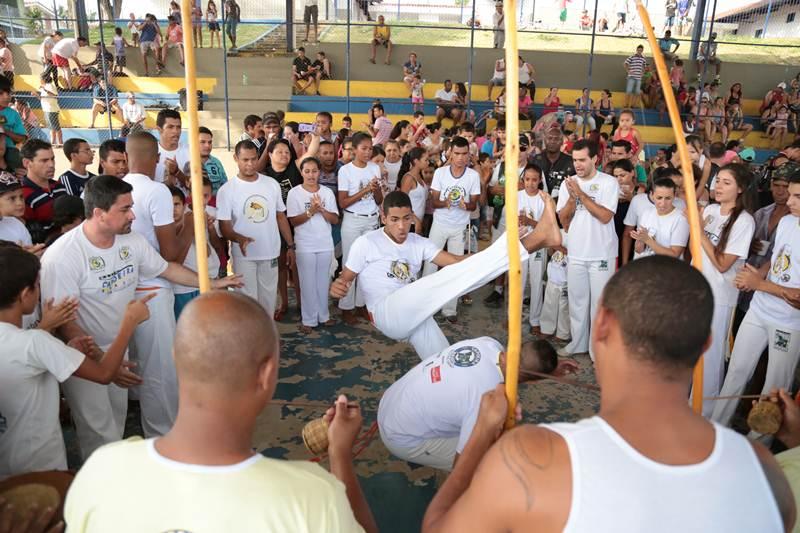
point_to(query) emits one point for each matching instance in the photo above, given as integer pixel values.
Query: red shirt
(39, 201)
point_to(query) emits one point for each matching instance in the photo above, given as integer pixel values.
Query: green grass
(245, 33)
(735, 49)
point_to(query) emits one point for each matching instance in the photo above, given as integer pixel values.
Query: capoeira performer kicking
(387, 261)
(770, 322)
(427, 416)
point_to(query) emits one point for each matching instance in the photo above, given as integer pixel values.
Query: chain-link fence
(597, 33)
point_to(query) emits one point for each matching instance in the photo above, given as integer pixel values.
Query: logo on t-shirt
(96, 263)
(124, 253)
(401, 271)
(255, 208)
(780, 269)
(464, 356)
(455, 194)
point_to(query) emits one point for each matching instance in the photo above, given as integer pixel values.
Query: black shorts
(448, 109)
(213, 26)
(121, 61)
(311, 14)
(622, 17)
(376, 42)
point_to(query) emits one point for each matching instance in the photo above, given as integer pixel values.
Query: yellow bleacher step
(480, 92)
(82, 118)
(651, 134)
(137, 84)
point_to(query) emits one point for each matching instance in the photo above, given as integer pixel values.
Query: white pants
(353, 227)
(754, 335)
(436, 453)
(260, 280)
(714, 358)
(586, 280)
(555, 311)
(533, 271)
(454, 239)
(313, 269)
(151, 349)
(99, 412)
(407, 313)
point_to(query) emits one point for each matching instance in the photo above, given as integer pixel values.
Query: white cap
(782, 85)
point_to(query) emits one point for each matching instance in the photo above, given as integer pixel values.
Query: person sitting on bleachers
(104, 96)
(133, 115)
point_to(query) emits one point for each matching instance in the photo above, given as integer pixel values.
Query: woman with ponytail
(728, 230)
(414, 185)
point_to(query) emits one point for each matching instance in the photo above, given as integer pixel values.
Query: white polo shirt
(441, 396)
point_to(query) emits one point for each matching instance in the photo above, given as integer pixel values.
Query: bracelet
(292, 246)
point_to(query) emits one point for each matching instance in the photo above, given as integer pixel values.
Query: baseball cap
(786, 171)
(748, 154)
(729, 156)
(8, 182)
(781, 85)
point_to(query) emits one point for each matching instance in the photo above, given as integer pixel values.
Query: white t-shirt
(640, 203)
(152, 205)
(12, 230)
(257, 494)
(590, 239)
(441, 94)
(557, 269)
(532, 206)
(48, 42)
(667, 230)
(133, 113)
(383, 266)
(725, 293)
(180, 154)
(31, 367)
(392, 170)
(441, 396)
(191, 262)
(313, 235)
(454, 190)
(352, 179)
(784, 271)
(103, 280)
(66, 47)
(253, 208)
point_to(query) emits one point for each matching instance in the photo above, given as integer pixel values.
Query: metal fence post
(104, 67)
(398, 9)
(533, 14)
(766, 20)
(697, 30)
(589, 75)
(347, 58)
(289, 26)
(471, 58)
(461, 14)
(225, 82)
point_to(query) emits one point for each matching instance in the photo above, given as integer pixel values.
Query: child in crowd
(119, 51)
(133, 26)
(530, 203)
(48, 96)
(68, 212)
(12, 211)
(183, 294)
(677, 76)
(690, 125)
(555, 310)
(417, 93)
(780, 125)
(627, 132)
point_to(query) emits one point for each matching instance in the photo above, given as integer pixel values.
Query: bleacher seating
(655, 129)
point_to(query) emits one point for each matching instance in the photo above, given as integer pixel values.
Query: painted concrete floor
(361, 363)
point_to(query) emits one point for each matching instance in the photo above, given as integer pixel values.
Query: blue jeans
(634, 86)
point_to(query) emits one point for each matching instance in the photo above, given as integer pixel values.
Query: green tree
(33, 16)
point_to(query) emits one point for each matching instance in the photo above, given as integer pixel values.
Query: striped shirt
(73, 182)
(39, 202)
(636, 65)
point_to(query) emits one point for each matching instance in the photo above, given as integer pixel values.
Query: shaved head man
(204, 474)
(646, 462)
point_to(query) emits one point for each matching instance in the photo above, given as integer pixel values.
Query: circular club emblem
(255, 208)
(464, 356)
(400, 270)
(454, 195)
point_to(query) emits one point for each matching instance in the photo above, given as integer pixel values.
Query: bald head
(222, 341)
(142, 150)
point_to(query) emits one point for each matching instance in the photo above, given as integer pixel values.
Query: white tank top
(616, 489)
(524, 75)
(418, 196)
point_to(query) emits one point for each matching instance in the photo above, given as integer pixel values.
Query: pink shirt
(383, 129)
(675, 76)
(175, 34)
(525, 104)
